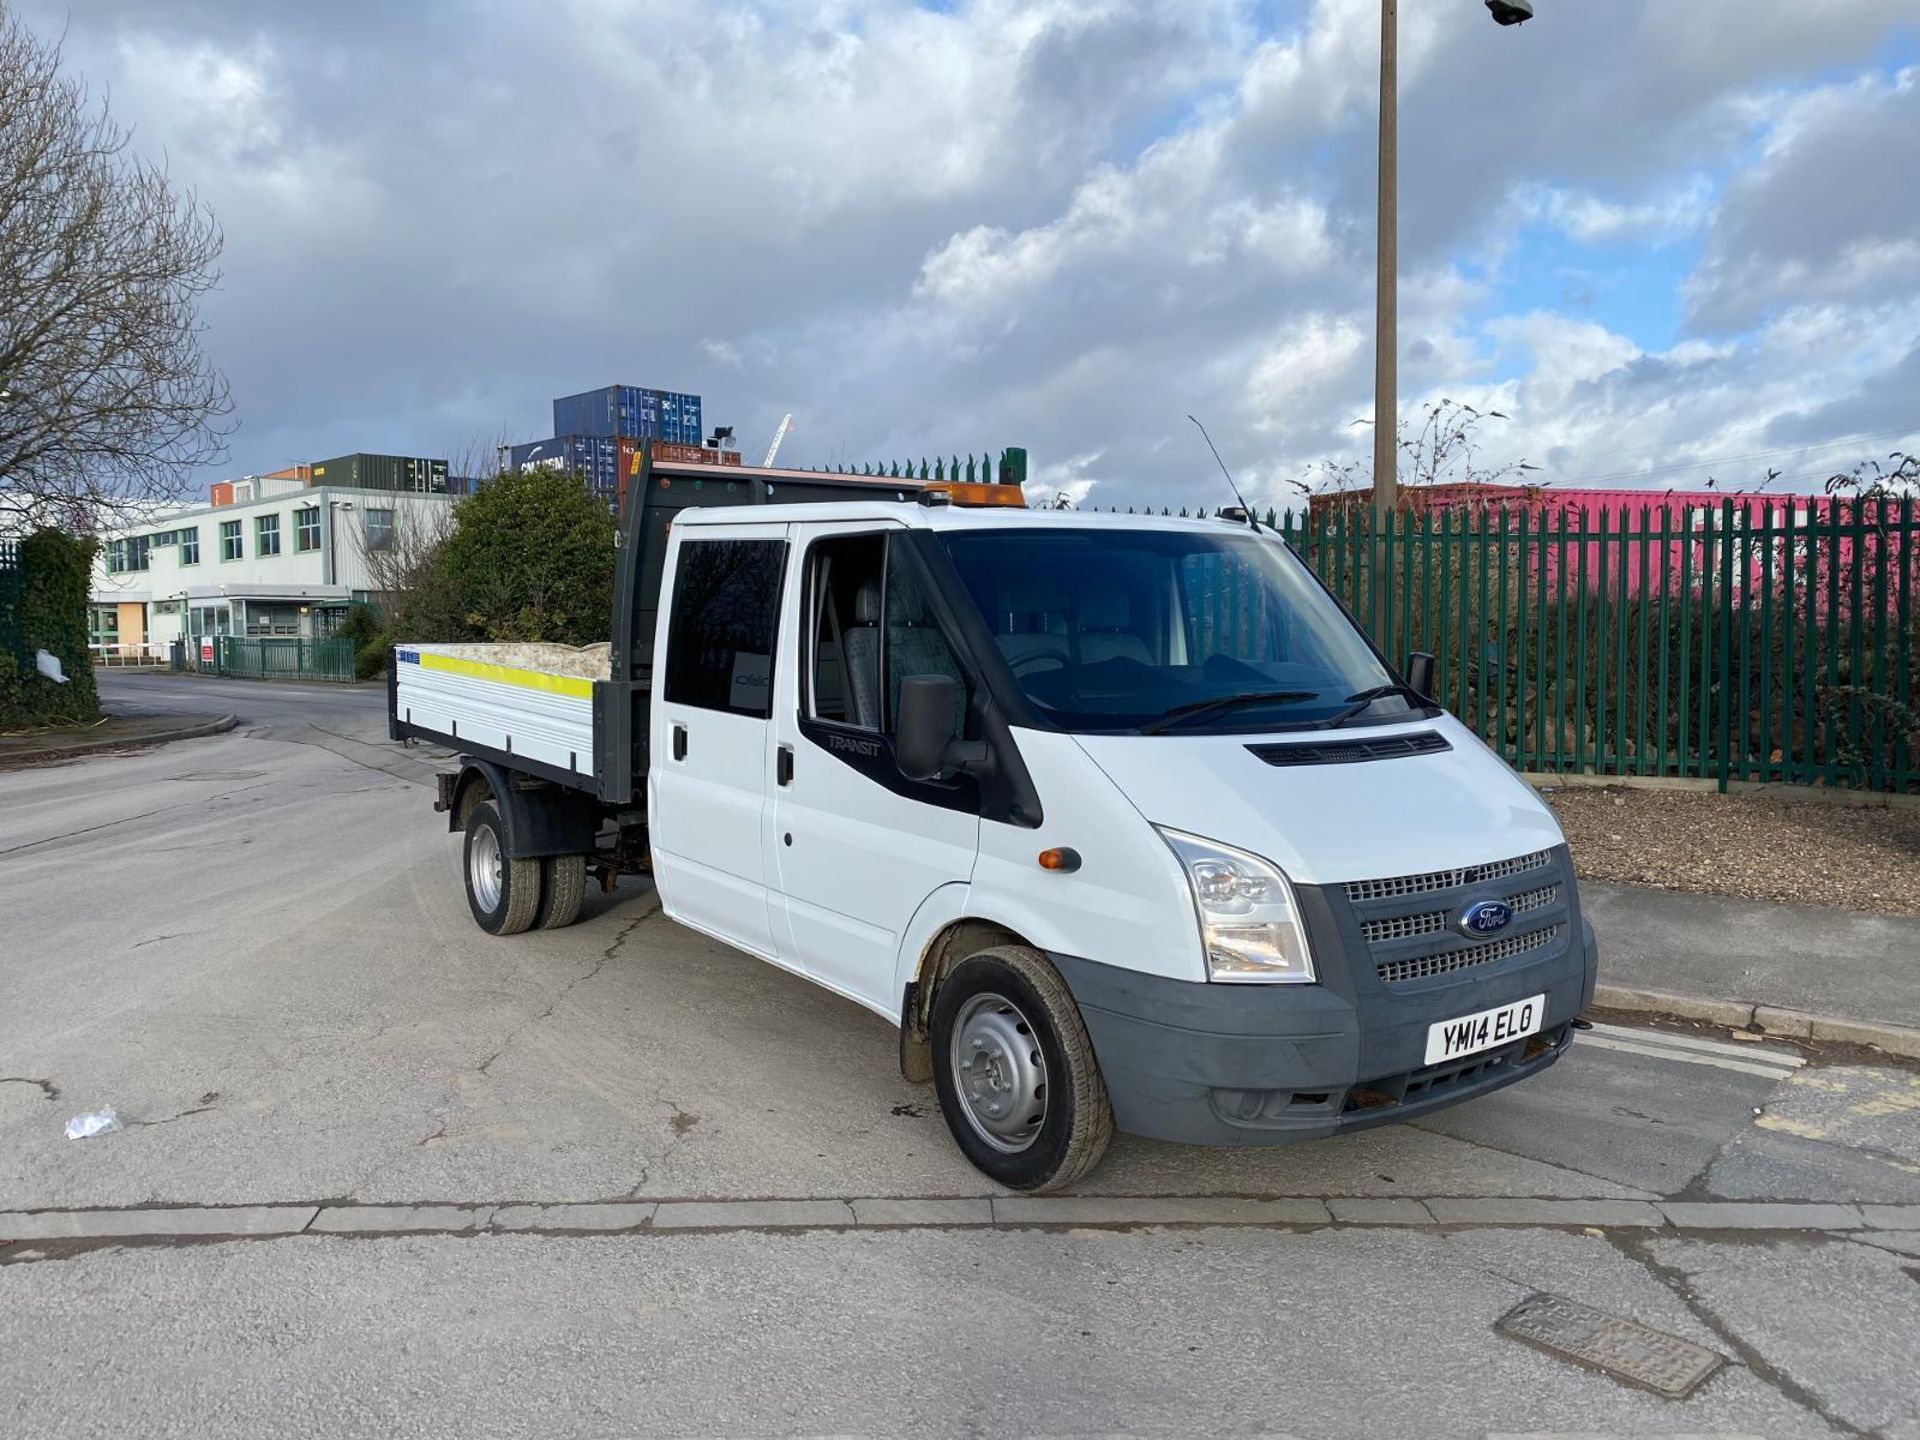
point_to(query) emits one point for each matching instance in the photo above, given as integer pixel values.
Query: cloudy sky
(1668, 238)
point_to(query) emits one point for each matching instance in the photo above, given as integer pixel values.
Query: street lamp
(1386, 338)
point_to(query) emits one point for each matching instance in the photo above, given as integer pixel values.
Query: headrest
(866, 604)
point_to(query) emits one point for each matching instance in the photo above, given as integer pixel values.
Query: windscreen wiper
(1359, 702)
(1198, 709)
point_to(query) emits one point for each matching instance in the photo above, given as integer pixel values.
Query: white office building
(285, 558)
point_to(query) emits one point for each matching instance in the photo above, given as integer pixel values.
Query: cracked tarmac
(309, 1025)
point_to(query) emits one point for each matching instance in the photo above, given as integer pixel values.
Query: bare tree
(405, 577)
(106, 397)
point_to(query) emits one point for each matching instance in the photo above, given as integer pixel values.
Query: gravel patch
(1754, 847)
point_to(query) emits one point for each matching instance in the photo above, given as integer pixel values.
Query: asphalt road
(256, 948)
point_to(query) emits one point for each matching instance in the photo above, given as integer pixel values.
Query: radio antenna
(1245, 512)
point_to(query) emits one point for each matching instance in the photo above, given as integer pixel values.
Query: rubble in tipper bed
(587, 662)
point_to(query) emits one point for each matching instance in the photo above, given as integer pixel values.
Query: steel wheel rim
(484, 867)
(999, 1072)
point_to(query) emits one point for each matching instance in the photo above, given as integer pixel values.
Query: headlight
(1249, 923)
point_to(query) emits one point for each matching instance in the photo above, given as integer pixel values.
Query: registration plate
(1451, 1039)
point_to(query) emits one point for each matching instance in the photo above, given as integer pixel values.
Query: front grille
(1425, 967)
(1348, 752)
(1398, 885)
(1434, 922)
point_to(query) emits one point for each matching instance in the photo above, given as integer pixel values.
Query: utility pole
(1386, 371)
(1386, 325)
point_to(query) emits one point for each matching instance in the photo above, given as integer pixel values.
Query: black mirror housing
(1420, 671)
(923, 728)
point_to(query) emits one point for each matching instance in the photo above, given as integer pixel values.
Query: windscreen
(1169, 630)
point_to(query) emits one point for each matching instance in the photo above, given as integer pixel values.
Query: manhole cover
(1652, 1359)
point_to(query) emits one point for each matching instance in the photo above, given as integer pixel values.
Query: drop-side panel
(478, 704)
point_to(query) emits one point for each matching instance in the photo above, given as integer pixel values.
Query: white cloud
(1301, 369)
(1592, 219)
(1171, 209)
(1829, 211)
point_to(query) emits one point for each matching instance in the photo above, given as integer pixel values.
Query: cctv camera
(1511, 12)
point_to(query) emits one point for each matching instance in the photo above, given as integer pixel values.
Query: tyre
(1016, 1074)
(563, 887)
(503, 894)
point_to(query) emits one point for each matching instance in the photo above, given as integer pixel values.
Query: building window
(232, 546)
(266, 536)
(210, 620)
(379, 529)
(306, 528)
(190, 545)
(132, 554)
(267, 618)
(103, 625)
(726, 605)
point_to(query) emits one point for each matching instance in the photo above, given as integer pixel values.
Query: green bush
(531, 558)
(370, 641)
(55, 575)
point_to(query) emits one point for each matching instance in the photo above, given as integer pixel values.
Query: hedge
(56, 573)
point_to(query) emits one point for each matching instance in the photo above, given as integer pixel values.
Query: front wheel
(1015, 1071)
(503, 894)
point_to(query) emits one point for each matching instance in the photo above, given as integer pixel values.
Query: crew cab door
(711, 731)
(857, 845)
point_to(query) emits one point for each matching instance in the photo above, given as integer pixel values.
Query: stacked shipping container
(603, 461)
(630, 412)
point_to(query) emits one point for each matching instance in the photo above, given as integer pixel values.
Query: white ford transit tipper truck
(1120, 819)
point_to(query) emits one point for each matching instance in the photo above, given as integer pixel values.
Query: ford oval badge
(1485, 917)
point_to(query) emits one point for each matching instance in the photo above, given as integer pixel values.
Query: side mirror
(923, 728)
(1419, 672)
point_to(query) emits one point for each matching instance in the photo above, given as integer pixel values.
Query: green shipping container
(383, 472)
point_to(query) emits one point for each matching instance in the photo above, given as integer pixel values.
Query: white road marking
(1685, 1057)
(1791, 1059)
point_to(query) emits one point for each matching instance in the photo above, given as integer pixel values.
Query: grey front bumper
(1213, 1064)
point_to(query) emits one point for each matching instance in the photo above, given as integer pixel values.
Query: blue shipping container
(632, 412)
(596, 458)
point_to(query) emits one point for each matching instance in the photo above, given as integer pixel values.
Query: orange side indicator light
(1062, 859)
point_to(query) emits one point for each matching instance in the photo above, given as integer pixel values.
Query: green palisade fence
(260, 658)
(1771, 640)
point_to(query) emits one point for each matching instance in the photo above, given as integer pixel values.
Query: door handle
(783, 766)
(679, 742)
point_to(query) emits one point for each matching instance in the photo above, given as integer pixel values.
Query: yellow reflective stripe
(509, 675)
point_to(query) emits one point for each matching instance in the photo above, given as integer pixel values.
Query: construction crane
(786, 424)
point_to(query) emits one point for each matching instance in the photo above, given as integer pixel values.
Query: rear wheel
(563, 887)
(1015, 1071)
(503, 894)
